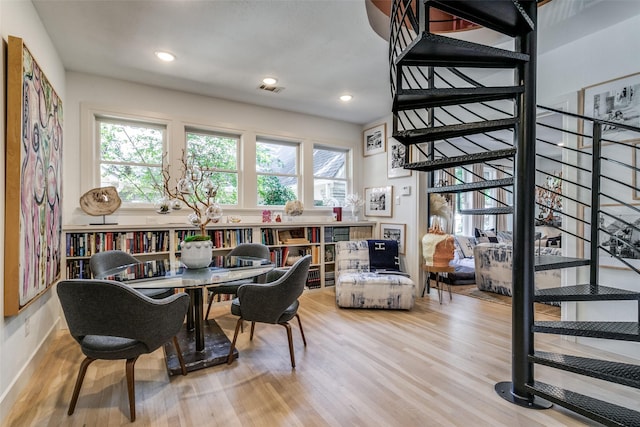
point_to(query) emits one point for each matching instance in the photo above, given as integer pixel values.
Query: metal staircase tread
(448, 162)
(472, 186)
(623, 331)
(603, 412)
(501, 16)
(487, 211)
(615, 372)
(554, 262)
(406, 99)
(440, 51)
(416, 136)
(585, 293)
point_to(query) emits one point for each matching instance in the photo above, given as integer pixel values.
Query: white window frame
(297, 175)
(347, 173)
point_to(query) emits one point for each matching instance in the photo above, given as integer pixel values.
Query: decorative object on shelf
(374, 140)
(549, 200)
(337, 213)
(437, 245)
(378, 201)
(266, 215)
(33, 179)
(196, 251)
(354, 202)
(278, 218)
(293, 208)
(100, 201)
(234, 219)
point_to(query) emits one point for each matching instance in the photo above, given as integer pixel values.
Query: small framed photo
(614, 101)
(374, 140)
(378, 201)
(398, 155)
(394, 232)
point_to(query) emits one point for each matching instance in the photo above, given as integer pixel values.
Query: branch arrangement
(194, 189)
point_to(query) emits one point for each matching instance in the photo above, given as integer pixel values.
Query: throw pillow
(486, 236)
(466, 245)
(383, 255)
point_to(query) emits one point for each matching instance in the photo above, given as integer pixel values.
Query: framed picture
(374, 140)
(394, 232)
(615, 100)
(378, 201)
(397, 155)
(33, 211)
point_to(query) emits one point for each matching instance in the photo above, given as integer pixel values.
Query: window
(329, 176)
(217, 154)
(277, 172)
(131, 158)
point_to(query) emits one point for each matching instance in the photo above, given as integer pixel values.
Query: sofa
(368, 276)
(494, 268)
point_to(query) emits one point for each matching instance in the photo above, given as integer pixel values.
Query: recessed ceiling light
(270, 81)
(346, 98)
(560, 144)
(165, 56)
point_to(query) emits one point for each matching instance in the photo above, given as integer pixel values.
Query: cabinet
(161, 244)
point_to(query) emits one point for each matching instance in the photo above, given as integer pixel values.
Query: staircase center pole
(523, 288)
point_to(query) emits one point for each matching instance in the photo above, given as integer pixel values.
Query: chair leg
(233, 343)
(206, 316)
(131, 387)
(76, 390)
(301, 331)
(253, 328)
(290, 338)
(183, 367)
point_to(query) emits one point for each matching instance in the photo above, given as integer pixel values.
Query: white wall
(562, 72)
(19, 352)
(179, 108)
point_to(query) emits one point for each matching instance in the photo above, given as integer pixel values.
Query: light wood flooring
(433, 366)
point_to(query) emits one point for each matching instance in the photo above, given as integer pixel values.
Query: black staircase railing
(469, 110)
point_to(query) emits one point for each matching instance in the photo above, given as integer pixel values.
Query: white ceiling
(318, 49)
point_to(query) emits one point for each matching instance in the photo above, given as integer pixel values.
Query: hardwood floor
(433, 366)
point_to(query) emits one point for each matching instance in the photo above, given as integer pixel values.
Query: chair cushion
(111, 348)
(372, 290)
(288, 314)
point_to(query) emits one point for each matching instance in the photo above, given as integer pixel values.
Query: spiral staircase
(459, 104)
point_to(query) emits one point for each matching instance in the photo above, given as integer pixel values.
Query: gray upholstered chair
(275, 302)
(112, 321)
(103, 261)
(244, 249)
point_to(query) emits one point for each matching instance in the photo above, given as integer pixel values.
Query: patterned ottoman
(358, 287)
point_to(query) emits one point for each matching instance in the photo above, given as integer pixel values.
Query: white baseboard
(11, 395)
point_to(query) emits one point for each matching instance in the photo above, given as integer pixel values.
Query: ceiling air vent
(274, 89)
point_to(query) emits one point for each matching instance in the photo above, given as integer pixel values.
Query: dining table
(202, 342)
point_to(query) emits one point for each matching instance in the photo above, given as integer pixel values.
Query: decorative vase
(196, 254)
(437, 247)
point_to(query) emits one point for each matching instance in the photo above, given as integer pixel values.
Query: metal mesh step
(585, 293)
(450, 162)
(487, 211)
(417, 136)
(501, 16)
(440, 51)
(623, 331)
(595, 409)
(472, 186)
(554, 262)
(615, 372)
(406, 99)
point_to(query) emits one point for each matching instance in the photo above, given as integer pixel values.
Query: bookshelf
(287, 242)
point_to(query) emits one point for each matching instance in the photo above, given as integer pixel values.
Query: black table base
(215, 352)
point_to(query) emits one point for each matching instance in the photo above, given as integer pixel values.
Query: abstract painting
(33, 214)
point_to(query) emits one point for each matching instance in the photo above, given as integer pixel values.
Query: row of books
(79, 269)
(313, 279)
(329, 278)
(287, 256)
(136, 242)
(339, 234)
(227, 238)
